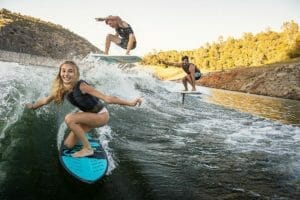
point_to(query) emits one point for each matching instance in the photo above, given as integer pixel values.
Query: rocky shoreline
(276, 80)
(280, 80)
(32, 36)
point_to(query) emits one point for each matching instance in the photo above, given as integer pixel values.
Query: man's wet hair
(184, 57)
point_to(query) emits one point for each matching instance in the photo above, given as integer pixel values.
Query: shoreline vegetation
(267, 63)
(248, 51)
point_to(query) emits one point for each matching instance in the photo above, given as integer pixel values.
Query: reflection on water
(284, 110)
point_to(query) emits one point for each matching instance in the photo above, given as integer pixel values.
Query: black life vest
(84, 102)
(124, 32)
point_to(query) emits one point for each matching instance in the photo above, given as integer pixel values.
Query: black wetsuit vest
(186, 68)
(124, 32)
(84, 102)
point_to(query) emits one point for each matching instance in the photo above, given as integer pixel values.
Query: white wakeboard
(117, 58)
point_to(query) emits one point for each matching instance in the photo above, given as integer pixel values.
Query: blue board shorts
(197, 75)
(124, 42)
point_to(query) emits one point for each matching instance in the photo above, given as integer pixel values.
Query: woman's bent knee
(69, 118)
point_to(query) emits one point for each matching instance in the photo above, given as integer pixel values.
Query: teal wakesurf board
(86, 169)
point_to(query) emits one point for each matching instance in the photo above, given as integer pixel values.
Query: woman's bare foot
(83, 153)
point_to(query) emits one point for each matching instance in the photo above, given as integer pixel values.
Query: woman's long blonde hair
(116, 18)
(58, 88)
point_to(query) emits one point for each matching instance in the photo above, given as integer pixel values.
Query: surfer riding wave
(89, 100)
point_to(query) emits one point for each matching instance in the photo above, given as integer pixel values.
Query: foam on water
(169, 142)
(19, 85)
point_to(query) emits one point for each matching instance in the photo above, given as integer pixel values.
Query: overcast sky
(163, 24)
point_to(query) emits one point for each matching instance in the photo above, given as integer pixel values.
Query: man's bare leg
(191, 77)
(184, 81)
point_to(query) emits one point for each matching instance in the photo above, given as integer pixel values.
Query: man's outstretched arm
(172, 64)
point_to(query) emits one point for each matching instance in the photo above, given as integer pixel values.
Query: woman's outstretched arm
(85, 88)
(39, 103)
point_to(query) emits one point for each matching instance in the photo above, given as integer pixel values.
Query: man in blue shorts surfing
(193, 73)
(124, 36)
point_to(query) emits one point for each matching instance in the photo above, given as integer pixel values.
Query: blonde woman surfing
(89, 100)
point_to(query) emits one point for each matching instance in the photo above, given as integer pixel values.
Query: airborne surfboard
(86, 169)
(117, 58)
